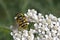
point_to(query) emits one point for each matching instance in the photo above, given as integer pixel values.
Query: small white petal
(46, 36)
(29, 10)
(39, 30)
(46, 17)
(34, 11)
(11, 33)
(17, 38)
(36, 25)
(58, 19)
(43, 32)
(46, 29)
(57, 24)
(15, 17)
(38, 38)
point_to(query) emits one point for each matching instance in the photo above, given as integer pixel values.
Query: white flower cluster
(46, 28)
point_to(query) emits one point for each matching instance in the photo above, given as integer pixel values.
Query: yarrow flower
(45, 27)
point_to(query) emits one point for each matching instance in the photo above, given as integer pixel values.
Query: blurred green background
(8, 9)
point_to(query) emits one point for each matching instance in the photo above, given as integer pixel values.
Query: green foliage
(5, 34)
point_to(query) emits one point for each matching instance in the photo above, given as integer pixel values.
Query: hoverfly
(21, 21)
